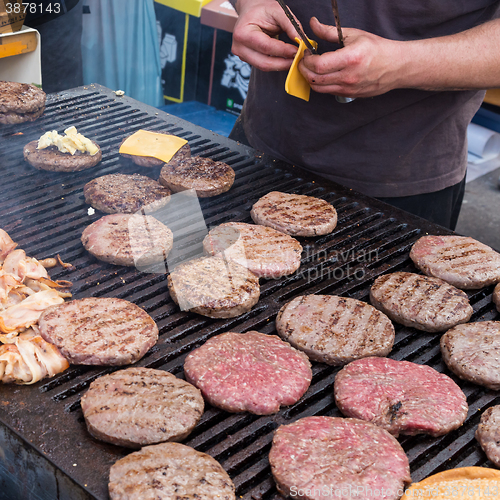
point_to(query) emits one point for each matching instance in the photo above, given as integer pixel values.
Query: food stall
(47, 452)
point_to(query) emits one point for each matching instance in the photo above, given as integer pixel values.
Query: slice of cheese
(295, 83)
(151, 144)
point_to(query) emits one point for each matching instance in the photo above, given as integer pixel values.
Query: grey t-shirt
(402, 143)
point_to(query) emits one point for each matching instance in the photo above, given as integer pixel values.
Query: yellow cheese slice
(295, 83)
(145, 143)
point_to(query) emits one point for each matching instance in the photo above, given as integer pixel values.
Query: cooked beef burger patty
(128, 240)
(295, 214)
(53, 160)
(148, 161)
(140, 406)
(472, 352)
(125, 194)
(496, 297)
(401, 397)
(461, 261)
(422, 302)
(99, 331)
(488, 434)
(20, 102)
(328, 457)
(214, 287)
(169, 471)
(249, 372)
(335, 330)
(205, 176)
(264, 251)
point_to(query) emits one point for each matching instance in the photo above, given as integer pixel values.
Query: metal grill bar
(46, 213)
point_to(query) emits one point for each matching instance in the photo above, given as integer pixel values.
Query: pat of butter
(69, 143)
(152, 144)
(295, 83)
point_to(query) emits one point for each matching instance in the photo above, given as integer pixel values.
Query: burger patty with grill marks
(421, 302)
(170, 471)
(335, 330)
(207, 177)
(295, 214)
(140, 406)
(214, 287)
(264, 251)
(488, 433)
(99, 331)
(125, 194)
(20, 102)
(496, 297)
(472, 351)
(128, 240)
(459, 260)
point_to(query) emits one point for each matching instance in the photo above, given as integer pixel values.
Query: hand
(259, 22)
(366, 66)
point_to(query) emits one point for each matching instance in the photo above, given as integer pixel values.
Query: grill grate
(46, 213)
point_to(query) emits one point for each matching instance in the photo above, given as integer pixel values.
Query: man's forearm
(467, 60)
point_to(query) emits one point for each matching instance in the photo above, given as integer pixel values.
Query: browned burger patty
(472, 351)
(205, 176)
(128, 240)
(99, 331)
(488, 434)
(149, 161)
(459, 260)
(169, 471)
(140, 406)
(421, 302)
(20, 102)
(264, 251)
(496, 297)
(125, 194)
(295, 214)
(53, 160)
(214, 287)
(335, 330)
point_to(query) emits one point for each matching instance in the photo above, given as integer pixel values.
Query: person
(60, 27)
(415, 70)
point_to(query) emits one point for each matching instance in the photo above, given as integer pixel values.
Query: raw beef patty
(328, 457)
(249, 372)
(99, 331)
(125, 194)
(472, 352)
(461, 261)
(140, 406)
(335, 330)
(214, 287)
(295, 214)
(401, 397)
(264, 251)
(421, 302)
(169, 471)
(128, 239)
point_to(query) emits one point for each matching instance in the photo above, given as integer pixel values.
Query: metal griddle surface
(46, 213)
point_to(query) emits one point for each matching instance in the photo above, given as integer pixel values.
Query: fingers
(324, 31)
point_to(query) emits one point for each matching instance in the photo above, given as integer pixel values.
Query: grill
(43, 433)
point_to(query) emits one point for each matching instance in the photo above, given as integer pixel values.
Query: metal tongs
(304, 38)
